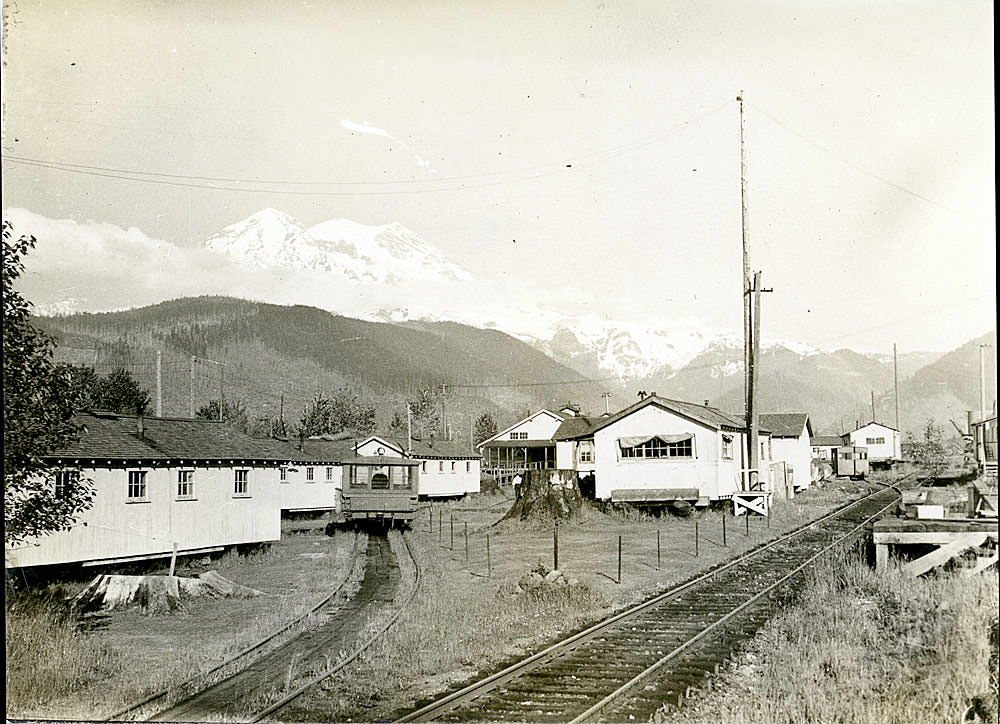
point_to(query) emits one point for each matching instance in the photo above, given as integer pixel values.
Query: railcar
(850, 461)
(381, 489)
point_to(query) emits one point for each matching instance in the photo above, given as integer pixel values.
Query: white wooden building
(660, 450)
(446, 468)
(884, 443)
(790, 444)
(161, 485)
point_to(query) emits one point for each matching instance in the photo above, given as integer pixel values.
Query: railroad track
(627, 666)
(241, 660)
(247, 695)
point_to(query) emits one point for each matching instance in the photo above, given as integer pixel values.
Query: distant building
(884, 443)
(161, 484)
(984, 440)
(823, 447)
(790, 443)
(543, 440)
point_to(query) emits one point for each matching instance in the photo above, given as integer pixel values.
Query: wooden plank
(924, 537)
(944, 554)
(653, 495)
(981, 565)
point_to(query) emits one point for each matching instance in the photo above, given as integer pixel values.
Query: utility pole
(444, 424)
(873, 405)
(607, 407)
(895, 382)
(409, 431)
(281, 413)
(222, 394)
(159, 383)
(983, 412)
(747, 329)
(753, 412)
(191, 406)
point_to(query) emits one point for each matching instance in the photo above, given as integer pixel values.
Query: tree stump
(546, 495)
(155, 594)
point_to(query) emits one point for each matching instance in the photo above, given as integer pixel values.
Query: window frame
(244, 483)
(62, 480)
(189, 482)
(141, 486)
(656, 449)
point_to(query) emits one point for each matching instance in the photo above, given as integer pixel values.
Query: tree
(39, 402)
(119, 391)
(929, 451)
(233, 413)
(336, 413)
(485, 428)
(425, 415)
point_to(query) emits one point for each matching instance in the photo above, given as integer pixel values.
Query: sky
(588, 151)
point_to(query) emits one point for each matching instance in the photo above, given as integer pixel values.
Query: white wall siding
(796, 453)
(297, 492)
(116, 527)
(704, 472)
(445, 478)
(891, 449)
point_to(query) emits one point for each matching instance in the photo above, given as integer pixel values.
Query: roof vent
(706, 403)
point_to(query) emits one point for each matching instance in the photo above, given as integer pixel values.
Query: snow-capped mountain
(383, 254)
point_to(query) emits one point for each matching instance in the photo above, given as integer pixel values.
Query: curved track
(239, 696)
(628, 665)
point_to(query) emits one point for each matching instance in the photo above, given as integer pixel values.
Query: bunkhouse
(310, 478)
(790, 444)
(660, 450)
(824, 447)
(884, 443)
(447, 469)
(162, 485)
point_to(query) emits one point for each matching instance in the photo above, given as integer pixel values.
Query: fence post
(619, 560)
(555, 547)
(724, 527)
(489, 563)
(747, 514)
(452, 532)
(657, 550)
(440, 527)
(466, 542)
(696, 539)
(430, 520)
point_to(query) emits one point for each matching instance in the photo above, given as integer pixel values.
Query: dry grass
(863, 648)
(167, 649)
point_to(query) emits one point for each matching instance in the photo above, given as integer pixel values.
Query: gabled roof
(112, 436)
(826, 440)
(786, 424)
(344, 449)
(707, 416)
(529, 418)
(880, 424)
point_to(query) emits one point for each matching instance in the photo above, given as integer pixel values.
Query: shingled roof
(112, 436)
(786, 424)
(708, 416)
(574, 427)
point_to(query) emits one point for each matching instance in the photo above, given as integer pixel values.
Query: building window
(310, 476)
(136, 484)
(329, 475)
(727, 447)
(586, 455)
(65, 479)
(519, 436)
(283, 475)
(423, 466)
(185, 484)
(453, 467)
(241, 482)
(468, 466)
(658, 449)
(440, 467)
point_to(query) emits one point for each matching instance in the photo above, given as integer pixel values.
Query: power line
(447, 183)
(850, 164)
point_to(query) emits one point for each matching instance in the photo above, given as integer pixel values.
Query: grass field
(863, 648)
(468, 615)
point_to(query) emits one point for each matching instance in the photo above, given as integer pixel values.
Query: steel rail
(627, 686)
(287, 699)
(440, 706)
(203, 679)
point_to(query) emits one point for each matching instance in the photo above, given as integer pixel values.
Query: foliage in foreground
(863, 647)
(39, 402)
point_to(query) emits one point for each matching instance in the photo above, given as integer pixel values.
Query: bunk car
(850, 461)
(382, 489)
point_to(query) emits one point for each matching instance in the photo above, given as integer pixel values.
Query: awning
(519, 444)
(639, 440)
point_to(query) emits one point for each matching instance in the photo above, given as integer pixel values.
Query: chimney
(968, 422)
(302, 439)
(706, 403)
(140, 426)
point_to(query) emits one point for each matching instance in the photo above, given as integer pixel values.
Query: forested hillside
(267, 356)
